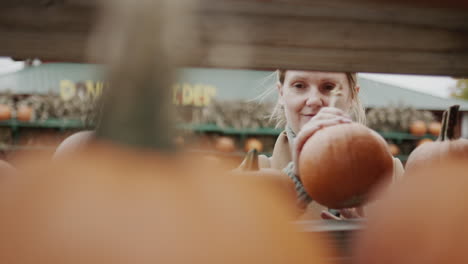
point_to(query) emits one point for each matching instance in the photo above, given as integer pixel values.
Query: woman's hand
(327, 116)
(348, 213)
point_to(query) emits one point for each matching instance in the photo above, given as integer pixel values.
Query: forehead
(317, 76)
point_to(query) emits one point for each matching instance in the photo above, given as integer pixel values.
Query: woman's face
(304, 93)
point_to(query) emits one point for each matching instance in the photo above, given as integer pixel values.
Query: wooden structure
(333, 35)
(423, 37)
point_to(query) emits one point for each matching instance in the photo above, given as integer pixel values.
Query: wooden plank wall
(335, 35)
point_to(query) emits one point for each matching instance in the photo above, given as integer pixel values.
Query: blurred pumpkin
(394, 149)
(5, 112)
(424, 141)
(445, 147)
(418, 128)
(6, 169)
(225, 144)
(79, 211)
(421, 219)
(253, 143)
(435, 128)
(24, 113)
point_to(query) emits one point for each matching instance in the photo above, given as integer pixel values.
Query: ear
(358, 88)
(279, 86)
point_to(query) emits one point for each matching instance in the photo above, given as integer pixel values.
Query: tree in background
(461, 89)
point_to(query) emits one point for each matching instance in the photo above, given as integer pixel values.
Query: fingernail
(346, 120)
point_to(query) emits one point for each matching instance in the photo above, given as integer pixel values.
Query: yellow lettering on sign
(67, 89)
(187, 94)
(176, 94)
(198, 95)
(92, 88)
(209, 92)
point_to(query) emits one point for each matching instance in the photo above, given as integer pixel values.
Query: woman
(303, 109)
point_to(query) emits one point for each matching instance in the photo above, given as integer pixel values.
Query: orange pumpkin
(435, 128)
(253, 143)
(418, 128)
(116, 192)
(24, 113)
(6, 169)
(424, 141)
(421, 219)
(445, 148)
(225, 144)
(394, 149)
(5, 112)
(339, 165)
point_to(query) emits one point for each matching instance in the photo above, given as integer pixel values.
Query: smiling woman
(303, 108)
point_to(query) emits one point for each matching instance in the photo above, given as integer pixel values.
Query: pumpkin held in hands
(339, 165)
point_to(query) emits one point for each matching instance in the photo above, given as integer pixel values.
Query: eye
(328, 86)
(299, 85)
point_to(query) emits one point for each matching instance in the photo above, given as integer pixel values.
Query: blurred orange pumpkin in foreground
(421, 219)
(105, 204)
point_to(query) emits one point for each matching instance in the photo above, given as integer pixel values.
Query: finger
(307, 132)
(360, 211)
(327, 215)
(323, 116)
(334, 111)
(349, 213)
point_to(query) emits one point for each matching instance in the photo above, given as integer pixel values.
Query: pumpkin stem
(444, 127)
(452, 121)
(250, 162)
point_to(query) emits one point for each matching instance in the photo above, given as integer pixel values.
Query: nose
(315, 99)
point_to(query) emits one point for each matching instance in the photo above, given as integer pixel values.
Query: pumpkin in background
(421, 219)
(418, 128)
(24, 113)
(5, 112)
(446, 147)
(253, 143)
(339, 165)
(424, 141)
(225, 144)
(394, 149)
(435, 128)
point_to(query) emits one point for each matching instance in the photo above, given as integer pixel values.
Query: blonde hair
(357, 110)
